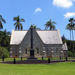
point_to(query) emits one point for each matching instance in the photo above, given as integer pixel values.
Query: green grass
(65, 68)
(17, 59)
(11, 59)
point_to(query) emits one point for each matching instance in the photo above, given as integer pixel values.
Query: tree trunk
(50, 27)
(70, 38)
(73, 42)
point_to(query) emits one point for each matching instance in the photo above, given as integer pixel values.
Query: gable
(17, 36)
(64, 46)
(27, 39)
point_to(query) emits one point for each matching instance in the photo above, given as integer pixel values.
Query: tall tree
(17, 24)
(4, 39)
(70, 26)
(50, 25)
(63, 38)
(1, 20)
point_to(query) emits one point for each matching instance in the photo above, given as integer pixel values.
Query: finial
(31, 25)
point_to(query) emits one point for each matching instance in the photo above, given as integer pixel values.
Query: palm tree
(50, 25)
(71, 27)
(4, 39)
(1, 20)
(17, 24)
(35, 27)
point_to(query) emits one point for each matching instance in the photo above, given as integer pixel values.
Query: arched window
(26, 51)
(37, 50)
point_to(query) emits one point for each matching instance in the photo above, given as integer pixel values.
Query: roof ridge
(36, 30)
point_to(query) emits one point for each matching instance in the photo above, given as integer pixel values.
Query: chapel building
(46, 43)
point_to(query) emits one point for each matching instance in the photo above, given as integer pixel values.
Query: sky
(38, 12)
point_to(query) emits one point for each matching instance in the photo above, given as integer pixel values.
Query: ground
(63, 68)
(57, 68)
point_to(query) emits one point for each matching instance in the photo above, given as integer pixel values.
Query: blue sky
(38, 12)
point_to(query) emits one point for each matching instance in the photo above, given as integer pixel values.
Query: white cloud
(63, 3)
(69, 15)
(38, 9)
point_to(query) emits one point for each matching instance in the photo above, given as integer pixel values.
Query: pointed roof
(64, 46)
(50, 36)
(47, 36)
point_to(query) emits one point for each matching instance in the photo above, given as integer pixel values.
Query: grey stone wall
(45, 50)
(14, 49)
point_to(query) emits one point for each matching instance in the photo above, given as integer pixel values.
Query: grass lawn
(17, 59)
(11, 59)
(64, 68)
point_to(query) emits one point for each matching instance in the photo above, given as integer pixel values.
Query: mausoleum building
(46, 43)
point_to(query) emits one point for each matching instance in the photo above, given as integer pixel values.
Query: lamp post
(19, 51)
(61, 53)
(43, 54)
(10, 52)
(52, 53)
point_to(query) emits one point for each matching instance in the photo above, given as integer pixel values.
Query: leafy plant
(4, 51)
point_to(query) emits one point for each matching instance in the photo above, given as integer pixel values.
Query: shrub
(70, 53)
(4, 51)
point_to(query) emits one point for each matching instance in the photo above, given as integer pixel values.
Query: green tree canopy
(4, 38)
(4, 52)
(71, 25)
(50, 25)
(17, 24)
(1, 20)
(63, 38)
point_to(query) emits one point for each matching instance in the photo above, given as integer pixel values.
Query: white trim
(11, 37)
(59, 36)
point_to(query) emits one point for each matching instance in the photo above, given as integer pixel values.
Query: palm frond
(71, 19)
(3, 20)
(22, 20)
(1, 26)
(54, 23)
(0, 16)
(46, 27)
(15, 23)
(68, 27)
(15, 19)
(16, 27)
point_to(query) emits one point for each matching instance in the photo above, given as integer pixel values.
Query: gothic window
(47, 51)
(37, 50)
(56, 50)
(26, 51)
